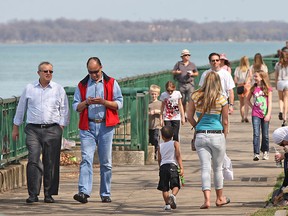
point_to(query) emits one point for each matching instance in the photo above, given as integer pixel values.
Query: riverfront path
(134, 187)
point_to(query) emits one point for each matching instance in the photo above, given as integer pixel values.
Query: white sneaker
(167, 207)
(265, 155)
(172, 201)
(256, 157)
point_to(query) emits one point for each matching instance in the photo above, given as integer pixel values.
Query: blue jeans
(257, 124)
(102, 136)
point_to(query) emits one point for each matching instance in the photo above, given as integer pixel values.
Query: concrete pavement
(134, 187)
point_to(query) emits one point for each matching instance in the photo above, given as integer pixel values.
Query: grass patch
(270, 211)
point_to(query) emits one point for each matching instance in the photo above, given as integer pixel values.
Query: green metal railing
(131, 133)
(10, 151)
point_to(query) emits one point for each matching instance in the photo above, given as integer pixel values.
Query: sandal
(204, 206)
(227, 202)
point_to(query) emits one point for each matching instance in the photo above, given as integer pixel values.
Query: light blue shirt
(43, 105)
(96, 89)
(209, 122)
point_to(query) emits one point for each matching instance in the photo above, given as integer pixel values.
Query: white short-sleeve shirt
(227, 81)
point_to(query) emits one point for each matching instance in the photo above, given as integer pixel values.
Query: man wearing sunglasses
(184, 72)
(227, 81)
(97, 98)
(46, 105)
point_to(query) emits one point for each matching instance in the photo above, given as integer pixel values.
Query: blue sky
(145, 10)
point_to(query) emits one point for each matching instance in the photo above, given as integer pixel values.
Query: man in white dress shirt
(46, 105)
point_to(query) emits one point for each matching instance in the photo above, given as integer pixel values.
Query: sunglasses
(94, 72)
(215, 60)
(186, 55)
(46, 71)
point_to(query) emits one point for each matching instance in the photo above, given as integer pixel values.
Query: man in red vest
(97, 98)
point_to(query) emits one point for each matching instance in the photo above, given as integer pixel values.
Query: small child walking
(169, 158)
(172, 109)
(154, 117)
(261, 113)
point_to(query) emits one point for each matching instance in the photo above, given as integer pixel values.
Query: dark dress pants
(48, 142)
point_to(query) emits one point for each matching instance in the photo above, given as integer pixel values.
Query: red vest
(112, 118)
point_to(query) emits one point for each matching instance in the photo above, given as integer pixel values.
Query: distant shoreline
(111, 31)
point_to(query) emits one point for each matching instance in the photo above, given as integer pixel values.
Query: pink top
(260, 105)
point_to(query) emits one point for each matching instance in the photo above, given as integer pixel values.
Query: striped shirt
(212, 120)
(43, 105)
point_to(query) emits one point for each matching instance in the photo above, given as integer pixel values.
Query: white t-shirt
(263, 67)
(227, 81)
(241, 76)
(171, 108)
(282, 72)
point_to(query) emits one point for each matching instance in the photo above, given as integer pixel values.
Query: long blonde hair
(244, 63)
(209, 92)
(265, 83)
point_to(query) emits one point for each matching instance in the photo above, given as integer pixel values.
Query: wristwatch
(87, 104)
(231, 104)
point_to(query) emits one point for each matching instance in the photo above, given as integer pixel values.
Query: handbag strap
(247, 72)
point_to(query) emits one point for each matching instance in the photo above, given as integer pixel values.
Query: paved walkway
(134, 187)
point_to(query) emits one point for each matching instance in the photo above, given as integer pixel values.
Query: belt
(96, 120)
(44, 125)
(210, 131)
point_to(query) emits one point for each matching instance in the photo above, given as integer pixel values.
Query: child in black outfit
(169, 158)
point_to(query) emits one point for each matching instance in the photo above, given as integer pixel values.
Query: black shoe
(81, 197)
(284, 124)
(280, 116)
(49, 199)
(32, 199)
(106, 199)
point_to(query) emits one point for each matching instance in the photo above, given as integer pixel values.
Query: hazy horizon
(148, 10)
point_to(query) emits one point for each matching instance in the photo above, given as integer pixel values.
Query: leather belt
(96, 120)
(44, 125)
(210, 131)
